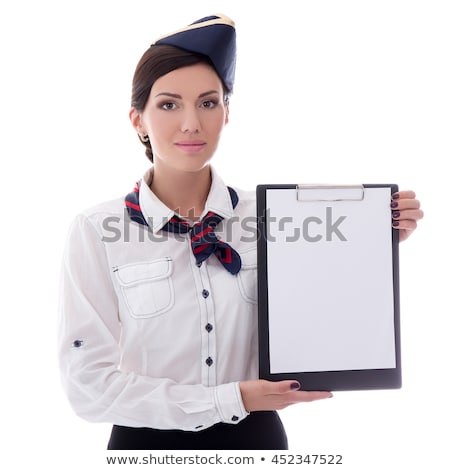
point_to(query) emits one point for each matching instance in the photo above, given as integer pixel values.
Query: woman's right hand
(263, 395)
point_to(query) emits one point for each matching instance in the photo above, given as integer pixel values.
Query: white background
(326, 92)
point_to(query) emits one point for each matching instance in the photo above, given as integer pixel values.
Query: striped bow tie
(204, 241)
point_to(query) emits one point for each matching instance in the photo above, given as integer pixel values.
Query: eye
(168, 106)
(209, 104)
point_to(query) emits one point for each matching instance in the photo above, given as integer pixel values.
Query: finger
(408, 225)
(407, 214)
(302, 396)
(280, 402)
(401, 204)
(404, 195)
(282, 387)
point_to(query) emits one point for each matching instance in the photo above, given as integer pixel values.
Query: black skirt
(260, 430)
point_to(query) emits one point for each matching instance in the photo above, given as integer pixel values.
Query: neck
(183, 192)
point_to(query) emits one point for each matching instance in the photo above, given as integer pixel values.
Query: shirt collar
(157, 214)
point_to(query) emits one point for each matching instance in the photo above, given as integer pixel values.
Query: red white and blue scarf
(204, 241)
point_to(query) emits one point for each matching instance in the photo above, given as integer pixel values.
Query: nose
(191, 121)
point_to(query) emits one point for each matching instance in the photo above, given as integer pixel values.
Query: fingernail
(394, 204)
(295, 386)
(396, 223)
(396, 214)
(395, 196)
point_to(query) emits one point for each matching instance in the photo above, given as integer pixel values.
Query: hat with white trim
(213, 36)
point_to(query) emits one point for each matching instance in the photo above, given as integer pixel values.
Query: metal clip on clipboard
(329, 192)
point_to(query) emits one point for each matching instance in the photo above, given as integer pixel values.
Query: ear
(135, 118)
(227, 114)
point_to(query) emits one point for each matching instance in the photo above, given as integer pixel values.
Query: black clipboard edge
(373, 379)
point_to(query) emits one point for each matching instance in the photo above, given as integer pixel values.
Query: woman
(158, 336)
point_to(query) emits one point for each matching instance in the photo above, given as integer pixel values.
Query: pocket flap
(144, 271)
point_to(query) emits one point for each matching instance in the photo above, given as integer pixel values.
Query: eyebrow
(175, 95)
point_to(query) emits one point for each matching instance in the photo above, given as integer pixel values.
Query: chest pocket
(247, 276)
(147, 287)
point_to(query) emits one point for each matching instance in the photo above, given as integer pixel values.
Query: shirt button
(234, 418)
(209, 327)
(205, 293)
(209, 362)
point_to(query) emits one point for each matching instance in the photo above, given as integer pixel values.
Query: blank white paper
(330, 287)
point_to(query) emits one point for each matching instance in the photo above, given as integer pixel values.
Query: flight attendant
(158, 331)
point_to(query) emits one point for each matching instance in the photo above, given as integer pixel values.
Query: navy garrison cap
(213, 36)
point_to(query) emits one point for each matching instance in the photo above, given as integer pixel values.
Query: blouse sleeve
(89, 354)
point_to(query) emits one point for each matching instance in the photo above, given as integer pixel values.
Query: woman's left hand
(405, 212)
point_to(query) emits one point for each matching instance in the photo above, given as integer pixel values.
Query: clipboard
(328, 286)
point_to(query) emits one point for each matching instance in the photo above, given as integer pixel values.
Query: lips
(191, 146)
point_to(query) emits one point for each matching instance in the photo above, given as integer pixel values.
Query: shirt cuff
(229, 403)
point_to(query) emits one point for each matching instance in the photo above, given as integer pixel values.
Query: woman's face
(184, 117)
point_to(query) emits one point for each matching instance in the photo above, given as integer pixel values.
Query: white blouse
(147, 338)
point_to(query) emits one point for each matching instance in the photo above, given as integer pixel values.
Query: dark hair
(156, 62)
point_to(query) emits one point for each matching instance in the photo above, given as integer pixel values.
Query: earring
(144, 139)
